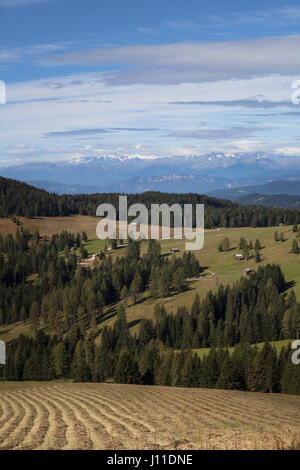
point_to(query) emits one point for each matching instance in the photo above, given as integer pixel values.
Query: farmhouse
(247, 272)
(238, 256)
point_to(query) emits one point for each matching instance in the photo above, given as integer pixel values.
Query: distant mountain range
(291, 187)
(222, 175)
(166, 183)
(277, 200)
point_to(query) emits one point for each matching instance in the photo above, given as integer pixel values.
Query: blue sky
(147, 79)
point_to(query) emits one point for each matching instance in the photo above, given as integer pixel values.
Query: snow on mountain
(110, 171)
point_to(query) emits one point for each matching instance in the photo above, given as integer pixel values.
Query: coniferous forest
(21, 199)
(67, 301)
(41, 280)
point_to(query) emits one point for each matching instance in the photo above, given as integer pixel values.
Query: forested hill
(17, 198)
(270, 200)
(21, 199)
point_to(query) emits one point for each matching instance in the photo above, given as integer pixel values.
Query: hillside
(17, 198)
(219, 267)
(277, 200)
(21, 199)
(94, 309)
(277, 187)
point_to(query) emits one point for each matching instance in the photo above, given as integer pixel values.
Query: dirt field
(107, 416)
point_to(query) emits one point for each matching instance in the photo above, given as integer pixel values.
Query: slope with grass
(219, 268)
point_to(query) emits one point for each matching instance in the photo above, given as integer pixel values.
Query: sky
(148, 79)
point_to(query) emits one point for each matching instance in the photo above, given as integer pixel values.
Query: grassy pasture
(220, 267)
(278, 345)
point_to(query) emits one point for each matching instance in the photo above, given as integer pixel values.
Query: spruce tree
(127, 371)
(295, 248)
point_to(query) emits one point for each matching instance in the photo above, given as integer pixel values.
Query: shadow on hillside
(134, 322)
(289, 285)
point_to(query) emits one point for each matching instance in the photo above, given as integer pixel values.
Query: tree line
(253, 310)
(40, 279)
(128, 360)
(21, 199)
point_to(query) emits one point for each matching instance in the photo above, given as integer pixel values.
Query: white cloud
(191, 62)
(291, 151)
(64, 105)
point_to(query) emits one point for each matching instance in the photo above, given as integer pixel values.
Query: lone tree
(257, 245)
(246, 252)
(276, 237)
(295, 248)
(242, 243)
(281, 237)
(224, 244)
(257, 256)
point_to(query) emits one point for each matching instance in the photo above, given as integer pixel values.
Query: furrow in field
(121, 410)
(141, 431)
(216, 415)
(55, 437)
(99, 431)
(226, 412)
(262, 414)
(8, 428)
(19, 434)
(170, 422)
(8, 412)
(40, 426)
(121, 424)
(76, 433)
(179, 410)
(136, 407)
(146, 413)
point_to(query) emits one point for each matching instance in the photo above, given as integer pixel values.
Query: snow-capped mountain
(179, 173)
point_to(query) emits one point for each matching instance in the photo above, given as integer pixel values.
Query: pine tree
(257, 245)
(34, 316)
(242, 243)
(295, 247)
(61, 361)
(127, 371)
(179, 280)
(246, 253)
(262, 370)
(79, 368)
(136, 286)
